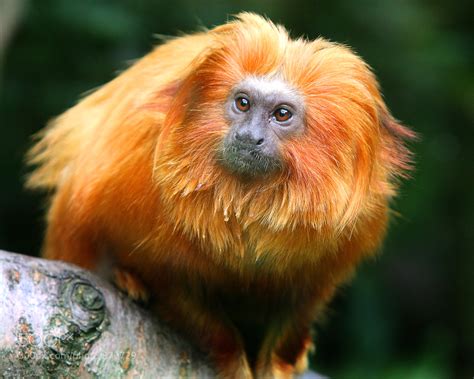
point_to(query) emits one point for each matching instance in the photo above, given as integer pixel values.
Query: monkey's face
(262, 113)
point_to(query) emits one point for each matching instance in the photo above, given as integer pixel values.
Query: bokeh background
(407, 314)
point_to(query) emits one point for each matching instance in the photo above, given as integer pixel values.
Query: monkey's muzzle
(248, 158)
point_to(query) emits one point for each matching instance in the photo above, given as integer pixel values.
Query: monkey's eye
(242, 104)
(282, 114)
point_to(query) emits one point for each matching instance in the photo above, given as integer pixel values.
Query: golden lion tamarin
(239, 175)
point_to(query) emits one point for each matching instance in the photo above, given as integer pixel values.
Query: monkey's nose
(248, 137)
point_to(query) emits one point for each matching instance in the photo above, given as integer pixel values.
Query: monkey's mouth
(248, 163)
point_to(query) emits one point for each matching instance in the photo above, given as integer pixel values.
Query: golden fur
(133, 172)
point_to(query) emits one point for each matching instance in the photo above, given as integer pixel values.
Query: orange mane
(342, 170)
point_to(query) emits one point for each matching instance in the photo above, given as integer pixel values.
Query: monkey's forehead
(269, 86)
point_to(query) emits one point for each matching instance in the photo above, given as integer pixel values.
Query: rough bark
(60, 321)
(57, 320)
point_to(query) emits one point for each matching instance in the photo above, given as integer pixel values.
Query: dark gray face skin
(262, 114)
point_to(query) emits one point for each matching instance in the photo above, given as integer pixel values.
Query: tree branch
(58, 320)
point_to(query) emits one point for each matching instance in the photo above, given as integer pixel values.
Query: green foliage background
(410, 313)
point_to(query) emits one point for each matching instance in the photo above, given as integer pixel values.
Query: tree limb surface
(57, 320)
(61, 321)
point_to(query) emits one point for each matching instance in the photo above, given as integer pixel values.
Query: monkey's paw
(131, 285)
